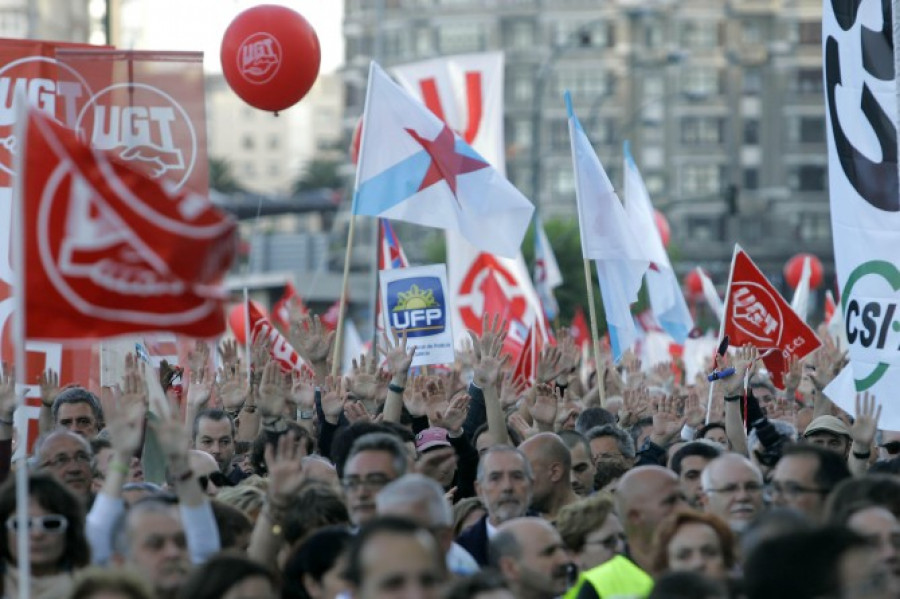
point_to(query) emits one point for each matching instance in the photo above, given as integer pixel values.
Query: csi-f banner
(414, 302)
(756, 313)
(106, 251)
(860, 88)
(146, 108)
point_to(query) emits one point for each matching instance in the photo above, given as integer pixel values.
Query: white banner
(414, 301)
(861, 100)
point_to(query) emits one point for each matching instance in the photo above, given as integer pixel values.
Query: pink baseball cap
(432, 437)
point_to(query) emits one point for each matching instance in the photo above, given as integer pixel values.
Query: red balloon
(662, 225)
(270, 57)
(237, 323)
(693, 283)
(794, 269)
(355, 141)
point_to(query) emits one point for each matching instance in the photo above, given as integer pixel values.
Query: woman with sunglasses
(591, 530)
(57, 544)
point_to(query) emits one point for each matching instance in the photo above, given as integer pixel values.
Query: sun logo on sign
(415, 299)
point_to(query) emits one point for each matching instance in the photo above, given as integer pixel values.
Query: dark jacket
(475, 540)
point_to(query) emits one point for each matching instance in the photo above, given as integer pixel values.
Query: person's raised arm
(399, 359)
(488, 369)
(48, 383)
(313, 342)
(863, 433)
(8, 405)
(198, 393)
(733, 390)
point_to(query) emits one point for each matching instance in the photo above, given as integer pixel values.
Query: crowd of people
(457, 482)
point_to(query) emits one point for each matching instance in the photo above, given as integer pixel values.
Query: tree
(221, 176)
(319, 174)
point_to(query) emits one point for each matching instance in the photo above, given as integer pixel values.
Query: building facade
(721, 101)
(58, 20)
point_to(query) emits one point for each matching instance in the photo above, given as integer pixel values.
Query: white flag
(800, 301)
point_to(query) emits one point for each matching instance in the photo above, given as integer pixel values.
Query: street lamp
(579, 37)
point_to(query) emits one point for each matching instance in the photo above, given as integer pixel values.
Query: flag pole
(339, 334)
(247, 334)
(589, 282)
(712, 384)
(22, 493)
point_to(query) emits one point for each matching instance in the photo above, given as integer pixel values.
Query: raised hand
(866, 424)
(273, 392)
(231, 387)
(450, 415)
(125, 417)
(666, 422)
(356, 411)
(48, 382)
(415, 398)
(517, 422)
(544, 407)
(793, 374)
(284, 463)
(570, 355)
(198, 358)
(744, 360)
(303, 389)
(333, 397)
(8, 399)
(260, 355)
(694, 409)
(200, 388)
(549, 364)
(363, 379)
(487, 349)
(229, 354)
(398, 358)
(311, 339)
(511, 390)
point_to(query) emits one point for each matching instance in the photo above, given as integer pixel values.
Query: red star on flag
(446, 162)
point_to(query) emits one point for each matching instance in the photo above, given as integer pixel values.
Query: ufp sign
(413, 303)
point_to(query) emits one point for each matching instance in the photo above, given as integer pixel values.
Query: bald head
(547, 448)
(532, 558)
(551, 463)
(644, 497)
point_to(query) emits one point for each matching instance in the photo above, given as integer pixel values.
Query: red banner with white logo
(279, 347)
(756, 313)
(109, 251)
(28, 69)
(147, 109)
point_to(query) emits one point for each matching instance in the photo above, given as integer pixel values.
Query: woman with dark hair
(315, 570)
(230, 576)
(692, 541)
(57, 545)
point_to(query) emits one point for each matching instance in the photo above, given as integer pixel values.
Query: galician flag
(413, 167)
(607, 236)
(547, 276)
(666, 298)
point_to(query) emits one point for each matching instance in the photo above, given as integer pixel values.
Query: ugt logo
(416, 306)
(151, 131)
(756, 313)
(259, 58)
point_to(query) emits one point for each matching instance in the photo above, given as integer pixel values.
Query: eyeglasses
(373, 482)
(892, 447)
(63, 460)
(751, 487)
(791, 490)
(216, 478)
(52, 523)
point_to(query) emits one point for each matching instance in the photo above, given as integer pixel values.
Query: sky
(200, 24)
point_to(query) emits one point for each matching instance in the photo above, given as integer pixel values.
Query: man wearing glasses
(804, 476)
(375, 459)
(732, 490)
(67, 456)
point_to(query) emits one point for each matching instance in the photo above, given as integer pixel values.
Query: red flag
(829, 306)
(756, 313)
(579, 330)
(146, 108)
(526, 365)
(279, 348)
(331, 316)
(109, 251)
(281, 311)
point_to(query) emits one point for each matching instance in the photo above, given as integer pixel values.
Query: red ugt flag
(756, 313)
(109, 251)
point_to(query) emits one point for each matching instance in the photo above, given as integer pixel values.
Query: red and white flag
(290, 302)
(579, 330)
(279, 347)
(109, 251)
(756, 313)
(526, 365)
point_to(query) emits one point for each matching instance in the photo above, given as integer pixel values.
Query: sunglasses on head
(216, 478)
(54, 523)
(892, 447)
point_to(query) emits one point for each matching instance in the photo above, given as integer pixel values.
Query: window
(699, 131)
(812, 129)
(751, 132)
(700, 81)
(583, 83)
(700, 179)
(424, 40)
(810, 33)
(753, 81)
(396, 43)
(563, 181)
(808, 81)
(751, 32)
(520, 83)
(249, 169)
(815, 227)
(274, 142)
(655, 183)
(600, 35)
(520, 132)
(809, 178)
(274, 169)
(751, 178)
(454, 38)
(518, 35)
(703, 228)
(699, 35)
(247, 142)
(559, 134)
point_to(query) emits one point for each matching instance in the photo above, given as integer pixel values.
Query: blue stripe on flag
(391, 186)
